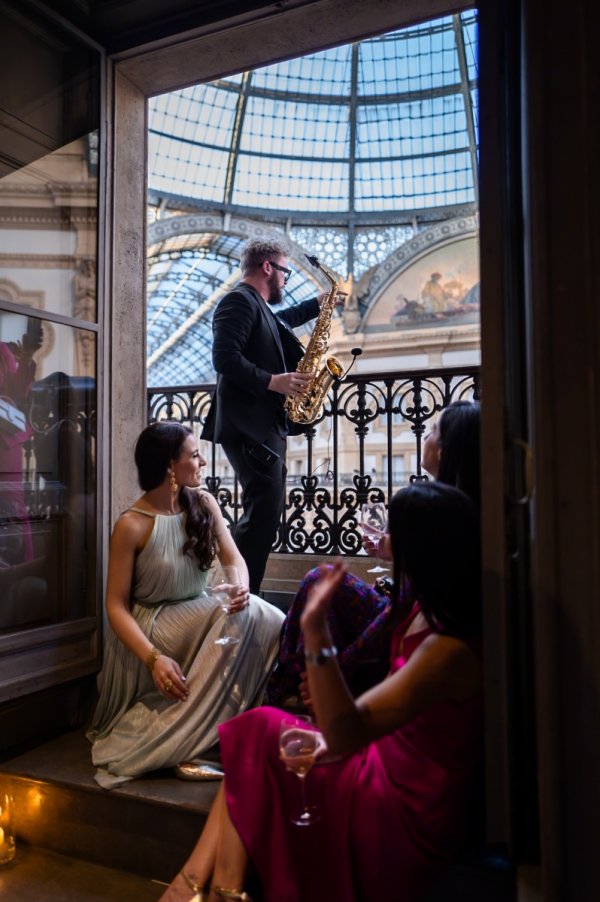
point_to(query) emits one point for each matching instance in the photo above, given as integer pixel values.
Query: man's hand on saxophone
(340, 298)
(294, 384)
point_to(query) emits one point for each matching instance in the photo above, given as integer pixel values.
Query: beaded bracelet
(152, 658)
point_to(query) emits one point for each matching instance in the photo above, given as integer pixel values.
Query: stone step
(145, 827)
(79, 843)
(36, 874)
(285, 572)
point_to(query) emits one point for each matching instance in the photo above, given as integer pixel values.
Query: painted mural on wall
(440, 287)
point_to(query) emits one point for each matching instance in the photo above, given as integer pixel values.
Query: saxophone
(307, 407)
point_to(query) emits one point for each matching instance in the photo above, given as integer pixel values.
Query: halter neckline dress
(135, 729)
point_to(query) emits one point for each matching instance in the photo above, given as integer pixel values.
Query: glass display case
(50, 579)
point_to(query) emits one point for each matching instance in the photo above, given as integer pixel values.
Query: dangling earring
(174, 486)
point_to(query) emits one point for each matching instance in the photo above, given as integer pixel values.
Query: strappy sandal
(195, 888)
(239, 895)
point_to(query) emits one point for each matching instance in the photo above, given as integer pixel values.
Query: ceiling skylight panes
(255, 141)
(349, 151)
(316, 186)
(433, 125)
(469, 29)
(295, 130)
(411, 60)
(321, 74)
(437, 182)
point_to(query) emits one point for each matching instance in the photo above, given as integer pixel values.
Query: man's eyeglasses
(287, 272)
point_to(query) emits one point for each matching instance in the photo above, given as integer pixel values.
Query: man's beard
(275, 293)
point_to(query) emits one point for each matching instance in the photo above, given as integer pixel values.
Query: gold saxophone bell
(307, 407)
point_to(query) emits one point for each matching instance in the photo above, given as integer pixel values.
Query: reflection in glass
(48, 226)
(49, 140)
(47, 467)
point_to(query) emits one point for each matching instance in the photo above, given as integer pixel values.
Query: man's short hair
(257, 250)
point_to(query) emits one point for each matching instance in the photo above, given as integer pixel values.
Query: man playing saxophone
(255, 355)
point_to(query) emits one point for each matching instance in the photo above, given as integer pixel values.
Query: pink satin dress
(392, 814)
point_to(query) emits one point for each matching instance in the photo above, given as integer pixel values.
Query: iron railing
(365, 445)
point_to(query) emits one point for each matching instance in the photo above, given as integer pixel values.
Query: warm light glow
(34, 798)
(7, 840)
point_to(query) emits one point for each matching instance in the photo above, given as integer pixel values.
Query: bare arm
(441, 668)
(128, 538)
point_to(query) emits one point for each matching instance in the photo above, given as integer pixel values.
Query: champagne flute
(299, 741)
(373, 522)
(223, 585)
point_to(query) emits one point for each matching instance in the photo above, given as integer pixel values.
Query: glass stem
(302, 779)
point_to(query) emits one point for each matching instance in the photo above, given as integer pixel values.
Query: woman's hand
(239, 598)
(314, 617)
(381, 548)
(168, 679)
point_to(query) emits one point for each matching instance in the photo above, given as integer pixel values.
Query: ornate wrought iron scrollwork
(322, 510)
(307, 521)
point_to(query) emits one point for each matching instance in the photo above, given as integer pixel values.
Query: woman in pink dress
(394, 784)
(359, 614)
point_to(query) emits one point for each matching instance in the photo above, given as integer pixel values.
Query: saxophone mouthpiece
(313, 261)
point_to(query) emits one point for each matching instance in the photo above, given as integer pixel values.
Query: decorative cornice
(10, 291)
(216, 223)
(23, 189)
(38, 261)
(51, 216)
(382, 341)
(200, 223)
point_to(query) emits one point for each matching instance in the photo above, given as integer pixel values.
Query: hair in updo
(159, 444)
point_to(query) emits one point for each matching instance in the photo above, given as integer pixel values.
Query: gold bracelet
(152, 658)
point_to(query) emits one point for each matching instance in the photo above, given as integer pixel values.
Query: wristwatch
(322, 656)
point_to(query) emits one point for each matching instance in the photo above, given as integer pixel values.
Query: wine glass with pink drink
(299, 742)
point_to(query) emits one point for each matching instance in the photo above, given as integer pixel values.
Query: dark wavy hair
(459, 442)
(434, 533)
(157, 445)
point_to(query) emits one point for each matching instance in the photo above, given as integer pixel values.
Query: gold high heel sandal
(195, 888)
(239, 895)
(197, 770)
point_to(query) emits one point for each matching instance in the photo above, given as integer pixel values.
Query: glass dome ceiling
(347, 150)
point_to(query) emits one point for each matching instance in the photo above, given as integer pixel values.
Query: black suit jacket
(250, 344)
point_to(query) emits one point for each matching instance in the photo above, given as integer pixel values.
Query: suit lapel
(268, 318)
(293, 349)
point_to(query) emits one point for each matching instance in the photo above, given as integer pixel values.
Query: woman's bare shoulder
(455, 660)
(133, 526)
